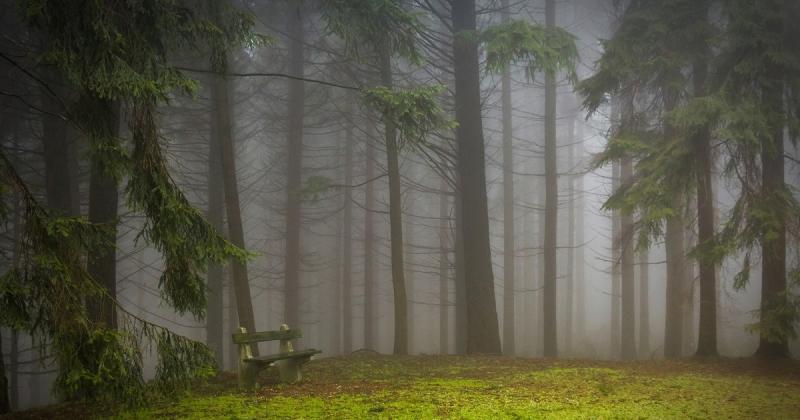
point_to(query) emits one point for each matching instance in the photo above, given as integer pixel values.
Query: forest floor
(367, 385)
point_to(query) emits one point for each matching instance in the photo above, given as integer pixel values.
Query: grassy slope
(368, 385)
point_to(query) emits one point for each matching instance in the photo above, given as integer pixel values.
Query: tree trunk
(347, 227)
(294, 165)
(444, 271)
(644, 304)
(369, 262)
(103, 202)
(215, 309)
(244, 303)
(628, 287)
(395, 222)
(707, 331)
(551, 200)
(673, 322)
(616, 256)
(460, 276)
(509, 335)
(5, 401)
(569, 289)
(483, 335)
(580, 261)
(773, 240)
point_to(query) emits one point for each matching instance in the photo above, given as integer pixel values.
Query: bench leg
(289, 369)
(248, 373)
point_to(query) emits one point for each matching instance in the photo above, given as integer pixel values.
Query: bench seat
(287, 360)
(268, 360)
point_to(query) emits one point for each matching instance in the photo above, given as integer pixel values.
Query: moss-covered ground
(367, 385)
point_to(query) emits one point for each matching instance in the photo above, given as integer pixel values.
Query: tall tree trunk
(569, 290)
(616, 257)
(509, 334)
(551, 200)
(215, 214)
(5, 401)
(460, 276)
(773, 240)
(409, 238)
(369, 262)
(644, 303)
(628, 287)
(395, 222)
(241, 284)
(676, 288)
(347, 224)
(444, 271)
(483, 334)
(294, 164)
(675, 256)
(103, 202)
(580, 260)
(707, 331)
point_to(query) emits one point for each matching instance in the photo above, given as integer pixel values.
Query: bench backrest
(257, 337)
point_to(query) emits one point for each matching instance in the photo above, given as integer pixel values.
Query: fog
(314, 200)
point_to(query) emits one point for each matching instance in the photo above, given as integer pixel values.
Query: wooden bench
(287, 360)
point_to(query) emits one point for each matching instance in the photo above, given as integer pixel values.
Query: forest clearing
(400, 209)
(368, 385)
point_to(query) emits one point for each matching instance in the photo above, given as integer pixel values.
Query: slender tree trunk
(103, 202)
(347, 228)
(569, 290)
(460, 276)
(707, 331)
(616, 256)
(628, 286)
(395, 222)
(5, 401)
(409, 238)
(580, 260)
(644, 304)
(773, 240)
(676, 262)
(294, 164)
(551, 201)
(444, 271)
(673, 327)
(483, 334)
(241, 284)
(216, 201)
(509, 334)
(369, 262)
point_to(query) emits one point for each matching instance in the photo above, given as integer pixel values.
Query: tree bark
(215, 214)
(241, 284)
(347, 223)
(294, 164)
(369, 261)
(569, 289)
(773, 240)
(644, 303)
(444, 271)
(103, 202)
(509, 334)
(628, 287)
(707, 331)
(551, 201)
(460, 277)
(483, 334)
(395, 222)
(616, 256)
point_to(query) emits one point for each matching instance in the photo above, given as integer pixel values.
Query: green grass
(422, 387)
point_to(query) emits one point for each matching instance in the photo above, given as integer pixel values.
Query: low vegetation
(367, 385)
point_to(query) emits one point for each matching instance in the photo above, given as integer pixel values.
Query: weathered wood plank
(281, 356)
(257, 337)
